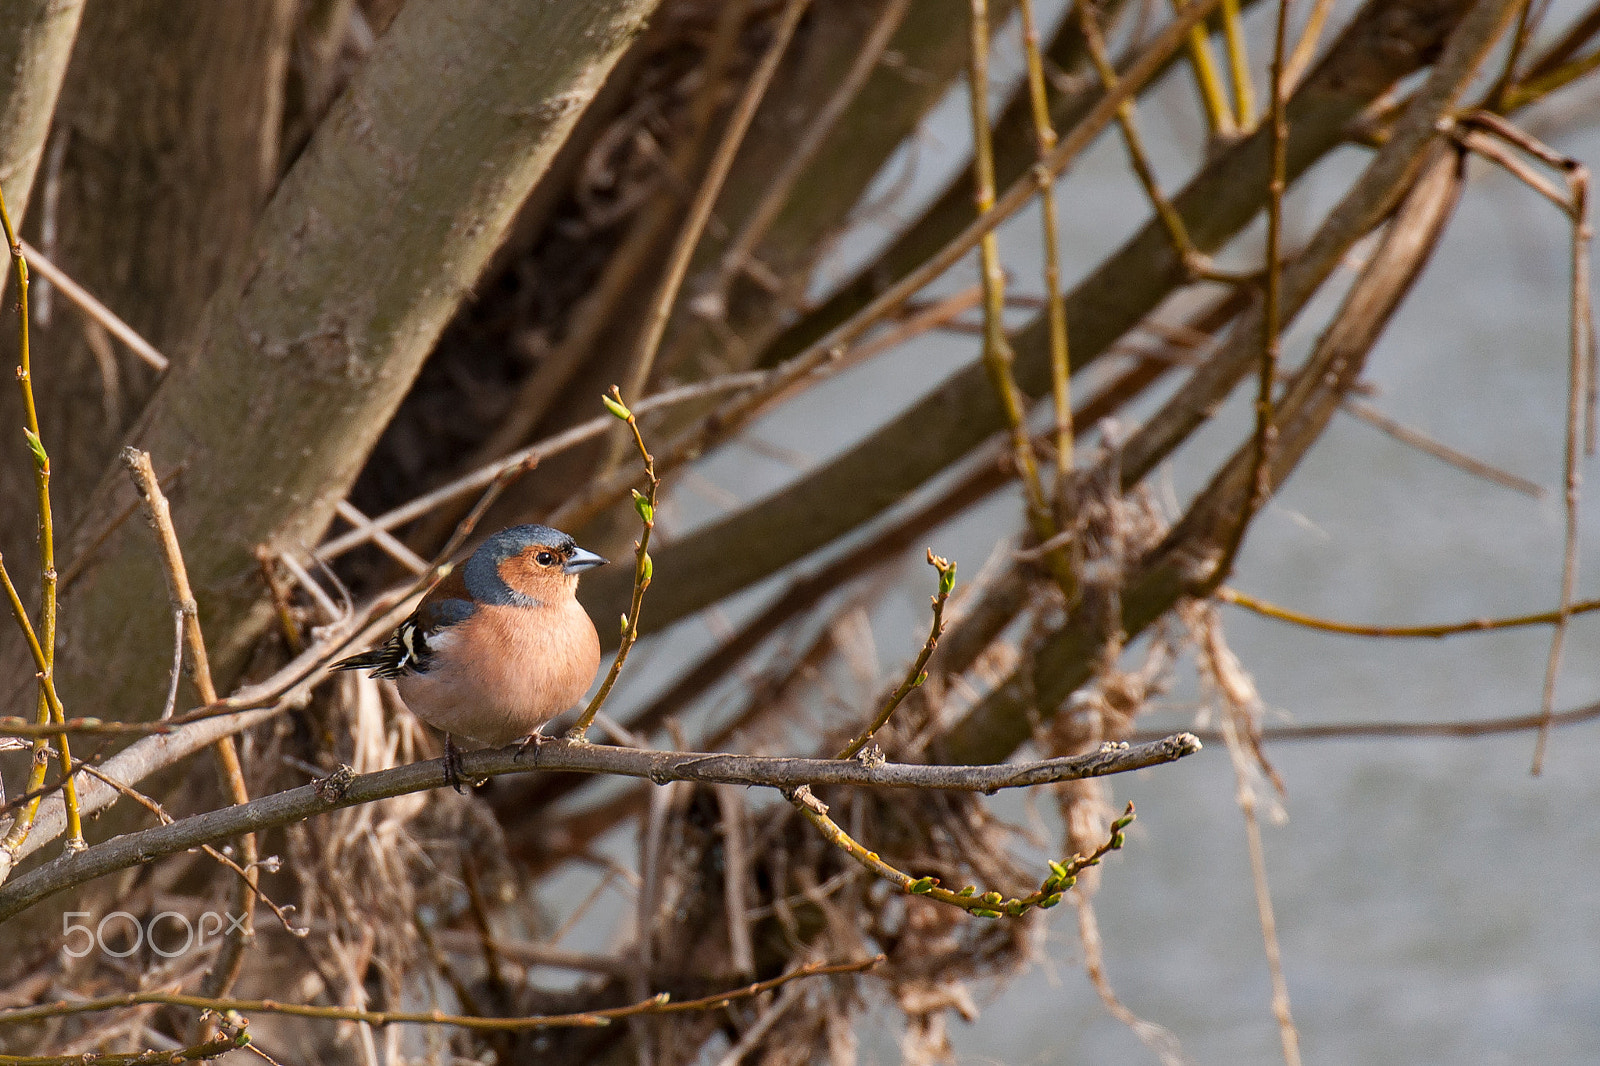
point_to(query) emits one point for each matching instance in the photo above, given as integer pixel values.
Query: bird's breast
(505, 671)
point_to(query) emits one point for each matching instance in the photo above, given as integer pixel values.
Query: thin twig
(706, 197)
(645, 504)
(1355, 629)
(381, 537)
(1466, 730)
(486, 476)
(661, 1003)
(159, 514)
(1238, 65)
(1207, 79)
(1580, 359)
(16, 727)
(1055, 308)
(741, 249)
(1194, 261)
(49, 705)
(96, 310)
(917, 674)
(997, 353)
(1422, 442)
(991, 904)
(1305, 49)
(1272, 316)
(210, 1049)
(811, 361)
(343, 789)
(1245, 796)
(176, 676)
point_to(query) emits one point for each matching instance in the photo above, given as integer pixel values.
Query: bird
(499, 647)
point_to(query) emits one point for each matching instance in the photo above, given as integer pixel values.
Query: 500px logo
(178, 934)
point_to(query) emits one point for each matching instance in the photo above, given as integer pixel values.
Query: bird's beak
(582, 560)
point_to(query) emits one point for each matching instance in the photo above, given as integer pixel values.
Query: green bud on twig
(921, 886)
(616, 406)
(36, 446)
(641, 503)
(648, 569)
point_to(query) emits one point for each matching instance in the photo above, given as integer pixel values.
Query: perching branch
(345, 789)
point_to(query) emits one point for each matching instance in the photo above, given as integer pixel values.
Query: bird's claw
(536, 739)
(452, 766)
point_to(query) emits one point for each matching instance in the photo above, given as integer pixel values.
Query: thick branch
(33, 61)
(315, 335)
(962, 412)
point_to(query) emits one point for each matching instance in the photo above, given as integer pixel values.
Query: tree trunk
(316, 332)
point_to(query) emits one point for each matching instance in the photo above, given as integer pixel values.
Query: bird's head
(525, 566)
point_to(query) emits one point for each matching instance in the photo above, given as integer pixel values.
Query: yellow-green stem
(997, 354)
(645, 504)
(1238, 64)
(49, 705)
(1055, 300)
(1219, 116)
(914, 676)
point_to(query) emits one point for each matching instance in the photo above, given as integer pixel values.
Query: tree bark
(316, 332)
(33, 62)
(163, 169)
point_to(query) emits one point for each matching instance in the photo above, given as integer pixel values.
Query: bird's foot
(535, 740)
(452, 765)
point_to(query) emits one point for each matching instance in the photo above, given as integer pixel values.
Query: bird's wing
(409, 650)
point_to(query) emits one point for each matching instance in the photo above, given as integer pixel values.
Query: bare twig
(49, 704)
(232, 1039)
(1244, 104)
(1208, 80)
(1439, 450)
(96, 310)
(485, 477)
(997, 354)
(1464, 730)
(1273, 313)
(1044, 135)
(1305, 49)
(916, 675)
(660, 1003)
(741, 249)
(1446, 629)
(706, 197)
(228, 967)
(343, 789)
(381, 537)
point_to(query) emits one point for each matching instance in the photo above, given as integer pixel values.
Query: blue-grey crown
(482, 572)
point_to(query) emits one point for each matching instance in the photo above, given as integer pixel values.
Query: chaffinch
(499, 647)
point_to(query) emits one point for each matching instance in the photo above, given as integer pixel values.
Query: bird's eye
(544, 558)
